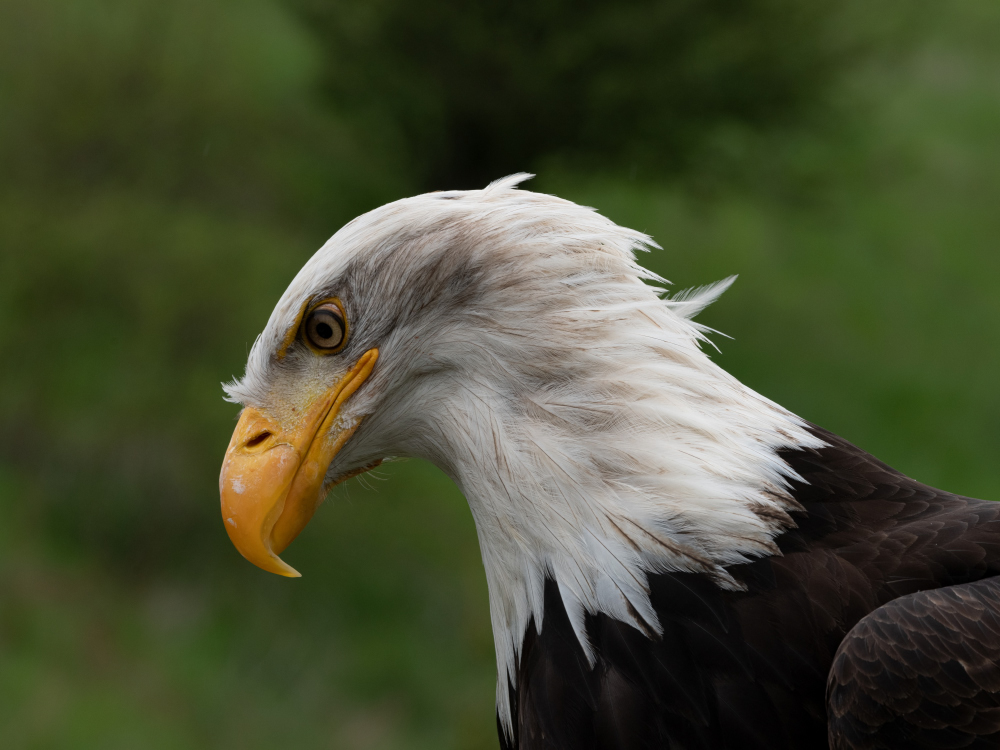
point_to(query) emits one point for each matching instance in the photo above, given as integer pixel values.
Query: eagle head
(511, 338)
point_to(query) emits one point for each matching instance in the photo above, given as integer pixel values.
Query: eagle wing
(922, 671)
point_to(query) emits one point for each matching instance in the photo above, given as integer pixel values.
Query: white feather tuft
(510, 182)
(689, 302)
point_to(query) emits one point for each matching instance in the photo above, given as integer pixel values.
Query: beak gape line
(272, 477)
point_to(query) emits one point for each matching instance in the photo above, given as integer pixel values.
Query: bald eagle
(673, 560)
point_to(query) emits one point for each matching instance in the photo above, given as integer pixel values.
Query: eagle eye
(326, 327)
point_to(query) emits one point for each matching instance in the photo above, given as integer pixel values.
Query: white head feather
(524, 353)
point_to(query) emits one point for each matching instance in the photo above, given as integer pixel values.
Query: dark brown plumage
(749, 669)
(923, 671)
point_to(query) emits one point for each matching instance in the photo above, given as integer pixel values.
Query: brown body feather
(923, 671)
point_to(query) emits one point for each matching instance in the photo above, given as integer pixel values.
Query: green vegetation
(466, 92)
(167, 167)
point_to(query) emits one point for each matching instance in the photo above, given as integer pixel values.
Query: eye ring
(325, 328)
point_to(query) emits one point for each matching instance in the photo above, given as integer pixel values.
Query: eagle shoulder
(748, 669)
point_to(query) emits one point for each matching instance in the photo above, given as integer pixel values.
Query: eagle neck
(677, 473)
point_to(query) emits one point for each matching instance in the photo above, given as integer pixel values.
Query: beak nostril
(254, 442)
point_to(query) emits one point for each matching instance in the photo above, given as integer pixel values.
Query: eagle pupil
(324, 330)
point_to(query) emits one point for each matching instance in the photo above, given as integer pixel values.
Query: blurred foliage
(471, 91)
(208, 102)
(167, 167)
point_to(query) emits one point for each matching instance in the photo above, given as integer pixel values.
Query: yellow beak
(272, 478)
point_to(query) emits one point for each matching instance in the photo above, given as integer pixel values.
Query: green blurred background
(166, 167)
